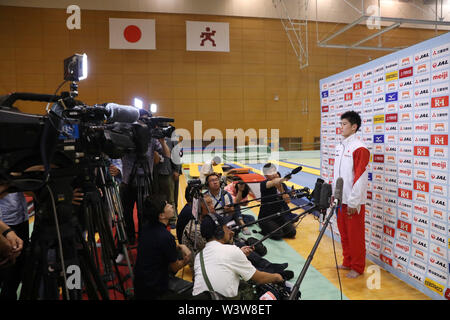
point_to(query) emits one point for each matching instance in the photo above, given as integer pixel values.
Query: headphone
(218, 230)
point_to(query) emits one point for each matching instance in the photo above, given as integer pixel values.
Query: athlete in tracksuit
(351, 160)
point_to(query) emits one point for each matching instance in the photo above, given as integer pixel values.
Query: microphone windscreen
(121, 113)
(339, 189)
(316, 191)
(297, 170)
(325, 196)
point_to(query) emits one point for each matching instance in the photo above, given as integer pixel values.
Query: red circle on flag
(132, 33)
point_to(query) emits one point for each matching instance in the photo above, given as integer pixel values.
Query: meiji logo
(439, 102)
(422, 151)
(439, 76)
(439, 164)
(422, 127)
(405, 194)
(406, 72)
(439, 64)
(403, 247)
(421, 209)
(439, 139)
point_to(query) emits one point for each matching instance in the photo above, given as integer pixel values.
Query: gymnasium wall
(236, 89)
(403, 100)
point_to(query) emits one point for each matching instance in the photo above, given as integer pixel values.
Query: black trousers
(269, 226)
(11, 276)
(128, 193)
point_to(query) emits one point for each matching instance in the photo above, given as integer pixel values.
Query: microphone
(316, 191)
(325, 196)
(338, 191)
(295, 171)
(121, 113)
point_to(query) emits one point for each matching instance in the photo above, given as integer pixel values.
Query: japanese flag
(132, 34)
(207, 36)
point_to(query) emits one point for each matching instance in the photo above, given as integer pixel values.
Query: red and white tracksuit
(351, 160)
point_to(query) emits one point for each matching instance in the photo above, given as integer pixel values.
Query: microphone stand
(304, 213)
(295, 289)
(272, 216)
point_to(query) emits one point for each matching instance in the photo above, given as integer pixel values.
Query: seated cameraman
(185, 215)
(128, 187)
(272, 203)
(157, 253)
(224, 264)
(223, 201)
(239, 191)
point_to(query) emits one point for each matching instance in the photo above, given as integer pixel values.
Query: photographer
(224, 264)
(271, 204)
(128, 187)
(157, 253)
(239, 191)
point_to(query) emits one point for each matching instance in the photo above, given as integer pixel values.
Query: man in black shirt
(157, 253)
(272, 202)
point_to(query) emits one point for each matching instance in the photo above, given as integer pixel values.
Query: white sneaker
(119, 258)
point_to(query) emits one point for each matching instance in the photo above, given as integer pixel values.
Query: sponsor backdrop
(403, 100)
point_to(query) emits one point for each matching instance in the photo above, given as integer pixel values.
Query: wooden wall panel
(225, 90)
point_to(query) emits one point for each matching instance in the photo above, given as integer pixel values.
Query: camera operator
(157, 252)
(128, 187)
(270, 204)
(224, 264)
(239, 191)
(185, 215)
(223, 201)
(14, 213)
(208, 168)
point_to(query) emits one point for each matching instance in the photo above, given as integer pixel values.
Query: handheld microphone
(121, 113)
(295, 171)
(325, 196)
(338, 191)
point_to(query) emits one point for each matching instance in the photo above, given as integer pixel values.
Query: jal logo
(391, 97)
(439, 177)
(439, 102)
(324, 94)
(418, 116)
(440, 64)
(421, 56)
(439, 139)
(420, 243)
(437, 238)
(406, 72)
(422, 92)
(405, 84)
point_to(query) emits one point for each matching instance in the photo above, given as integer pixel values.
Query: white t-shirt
(224, 265)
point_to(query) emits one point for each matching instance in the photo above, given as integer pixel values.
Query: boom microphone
(121, 113)
(295, 171)
(325, 196)
(338, 191)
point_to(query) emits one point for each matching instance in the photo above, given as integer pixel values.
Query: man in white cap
(208, 168)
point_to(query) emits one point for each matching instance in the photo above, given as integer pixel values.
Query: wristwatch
(6, 232)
